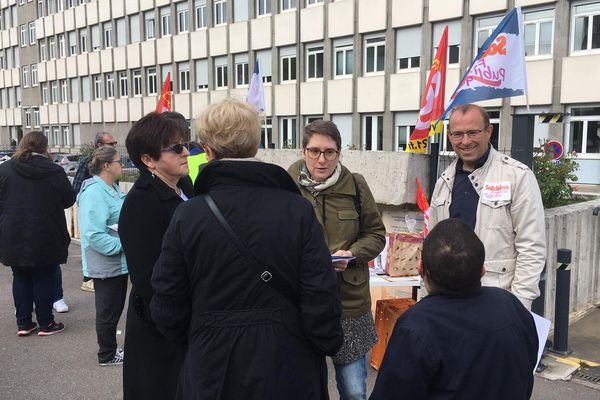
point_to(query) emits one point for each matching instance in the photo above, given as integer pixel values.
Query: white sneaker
(60, 306)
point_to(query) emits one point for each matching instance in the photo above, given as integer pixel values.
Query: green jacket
(336, 211)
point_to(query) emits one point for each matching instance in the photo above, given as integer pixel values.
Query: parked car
(69, 162)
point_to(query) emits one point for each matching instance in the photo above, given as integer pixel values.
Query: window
(344, 125)
(23, 35)
(61, 46)
(136, 77)
(25, 80)
(60, 6)
(200, 14)
(71, 3)
(36, 117)
(16, 56)
(586, 27)
(165, 21)
(240, 10)
(151, 81)
(97, 79)
(201, 74)
(72, 43)
(288, 5)
(66, 138)
(150, 25)
(134, 29)
(404, 124)
(454, 28)
(538, 28)
(74, 90)
(34, 75)
(584, 130)
(241, 70)
(64, 91)
(314, 62)
(266, 133)
(264, 59)
(2, 63)
(55, 136)
(221, 73)
(54, 92)
(287, 137)
(123, 84)
(44, 93)
(110, 85)
(372, 132)
(95, 37)
(32, 33)
(27, 118)
(85, 88)
(374, 55)
(182, 17)
(220, 12)
(288, 64)
(108, 43)
(40, 8)
(121, 36)
(408, 48)
(483, 29)
(344, 58)
(83, 45)
(184, 76)
(263, 7)
(309, 2)
(43, 54)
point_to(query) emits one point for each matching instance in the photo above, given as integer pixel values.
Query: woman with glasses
(100, 200)
(353, 227)
(155, 144)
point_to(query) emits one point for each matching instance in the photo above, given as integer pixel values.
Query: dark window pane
(579, 112)
(339, 63)
(380, 58)
(285, 66)
(379, 133)
(368, 132)
(370, 59)
(311, 66)
(415, 62)
(596, 32)
(403, 63)
(581, 29)
(593, 137)
(576, 136)
(293, 68)
(320, 65)
(453, 54)
(349, 61)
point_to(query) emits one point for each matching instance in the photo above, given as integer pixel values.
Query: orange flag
(164, 103)
(423, 206)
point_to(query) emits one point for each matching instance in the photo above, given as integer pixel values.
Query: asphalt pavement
(65, 366)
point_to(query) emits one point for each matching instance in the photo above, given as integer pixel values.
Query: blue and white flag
(256, 93)
(499, 68)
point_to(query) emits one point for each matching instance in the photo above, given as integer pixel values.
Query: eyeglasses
(176, 148)
(116, 161)
(471, 134)
(314, 153)
(113, 144)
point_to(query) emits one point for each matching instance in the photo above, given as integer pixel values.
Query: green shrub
(554, 177)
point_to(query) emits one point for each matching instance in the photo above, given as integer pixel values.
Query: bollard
(538, 304)
(561, 306)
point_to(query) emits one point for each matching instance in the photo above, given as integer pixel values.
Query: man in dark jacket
(462, 341)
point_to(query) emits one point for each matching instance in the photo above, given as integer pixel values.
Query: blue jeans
(351, 379)
(58, 289)
(33, 285)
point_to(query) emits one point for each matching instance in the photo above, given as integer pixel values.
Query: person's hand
(341, 265)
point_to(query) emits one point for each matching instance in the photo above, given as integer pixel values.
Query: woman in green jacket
(352, 226)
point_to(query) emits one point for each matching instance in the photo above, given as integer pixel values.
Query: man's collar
(478, 164)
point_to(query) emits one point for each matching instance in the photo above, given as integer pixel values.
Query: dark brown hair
(101, 156)
(322, 127)
(33, 142)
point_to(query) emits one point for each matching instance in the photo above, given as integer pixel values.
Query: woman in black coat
(33, 231)
(154, 143)
(253, 330)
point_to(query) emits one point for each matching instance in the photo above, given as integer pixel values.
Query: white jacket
(510, 222)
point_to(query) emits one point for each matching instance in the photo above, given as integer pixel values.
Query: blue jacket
(99, 208)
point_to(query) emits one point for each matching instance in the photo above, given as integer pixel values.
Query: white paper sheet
(542, 326)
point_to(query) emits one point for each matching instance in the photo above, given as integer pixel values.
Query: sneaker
(52, 328)
(88, 286)
(26, 330)
(117, 359)
(61, 306)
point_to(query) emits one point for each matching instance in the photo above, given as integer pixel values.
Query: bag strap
(357, 202)
(279, 285)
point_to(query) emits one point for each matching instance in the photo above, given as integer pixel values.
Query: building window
(54, 92)
(83, 46)
(221, 73)
(25, 80)
(264, 60)
(200, 14)
(314, 62)
(97, 79)
(61, 46)
(23, 35)
(184, 76)
(108, 43)
(241, 70)
(27, 118)
(287, 64)
(44, 93)
(43, 54)
(182, 17)
(32, 33)
(110, 85)
(66, 137)
(52, 48)
(85, 88)
(55, 136)
(121, 36)
(60, 6)
(266, 130)
(134, 29)
(95, 37)
(586, 26)
(220, 12)
(539, 27)
(74, 90)
(483, 29)
(40, 8)
(454, 28)
(403, 127)
(344, 59)
(584, 130)
(136, 77)
(34, 75)
(72, 43)
(64, 91)
(309, 2)
(408, 48)
(372, 132)
(150, 25)
(288, 5)
(287, 137)
(123, 84)
(263, 7)
(36, 117)
(165, 21)
(374, 55)
(201, 74)
(151, 81)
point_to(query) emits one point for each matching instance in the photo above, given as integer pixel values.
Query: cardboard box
(403, 254)
(387, 313)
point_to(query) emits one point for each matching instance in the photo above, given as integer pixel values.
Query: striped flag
(256, 93)
(164, 102)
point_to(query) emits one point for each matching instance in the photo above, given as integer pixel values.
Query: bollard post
(561, 306)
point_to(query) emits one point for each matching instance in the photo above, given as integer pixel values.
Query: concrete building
(75, 67)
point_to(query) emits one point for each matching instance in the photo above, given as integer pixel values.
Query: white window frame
(373, 42)
(220, 7)
(590, 15)
(56, 136)
(182, 17)
(150, 25)
(242, 77)
(62, 51)
(109, 81)
(95, 33)
(137, 87)
(537, 22)
(43, 52)
(123, 87)
(165, 21)
(201, 84)
(97, 86)
(288, 137)
(344, 49)
(290, 70)
(64, 91)
(36, 117)
(314, 53)
(263, 8)
(72, 36)
(200, 14)
(74, 84)
(107, 29)
(66, 136)
(313, 2)
(183, 71)
(585, 121)
(266, 132)
(221, 79)
(34, 75)
(54, 92)
(83, 41)
(151, 82)
(32, 37)
(288, 5)
(45, 99)
(25, 79)
(27, 118)
(23, 35)
(376, 145)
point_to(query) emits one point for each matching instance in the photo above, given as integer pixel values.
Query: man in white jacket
(499, 198)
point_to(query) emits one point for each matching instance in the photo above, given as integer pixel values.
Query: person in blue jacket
(100, 201)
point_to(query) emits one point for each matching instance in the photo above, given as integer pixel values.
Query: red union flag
(423, 206)
(164, 102)
(432, 106)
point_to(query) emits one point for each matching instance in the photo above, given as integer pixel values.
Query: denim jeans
(351, 379)
(58, 289)
(33, 285)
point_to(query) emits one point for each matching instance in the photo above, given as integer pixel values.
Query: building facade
(76, 67)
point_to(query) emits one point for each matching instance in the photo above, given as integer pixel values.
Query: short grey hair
(99, 139)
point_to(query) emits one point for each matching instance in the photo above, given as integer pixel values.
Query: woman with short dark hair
(156, 145)
(33, 232)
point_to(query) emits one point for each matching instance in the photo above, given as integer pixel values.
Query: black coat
(33, 196)
(244, 339)
(152, 363)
